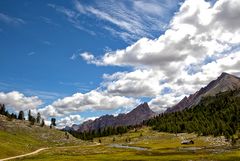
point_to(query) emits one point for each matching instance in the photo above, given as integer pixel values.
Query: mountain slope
(225, 82)
(136, 116)
(213, 115)
(19, 137)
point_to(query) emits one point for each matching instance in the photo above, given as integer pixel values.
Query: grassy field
(19, 137)
(157, 146)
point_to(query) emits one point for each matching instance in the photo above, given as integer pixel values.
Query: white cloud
(194, 33)
(164, 69)
(87, 56)
(129, 20)
(138, 83)
(93, 100)
(73, 57)
(50, 22)
(72, 17)
(69, 121)
(152, 7)
(49, 111)
(11, 20)
(177, 60)
(162, 102)
(46, 95)
(19, 101)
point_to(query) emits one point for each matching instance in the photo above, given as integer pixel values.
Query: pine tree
(29, 116)
(53, 122)
(42, 123)
(33, 120)
(38, 118)
(21, 115)
(2, 109)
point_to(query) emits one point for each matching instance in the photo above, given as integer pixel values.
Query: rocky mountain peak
(223, 83)
(142, 108)
(136, 116)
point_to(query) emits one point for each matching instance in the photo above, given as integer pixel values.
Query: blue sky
(109, 50)
(36, 51)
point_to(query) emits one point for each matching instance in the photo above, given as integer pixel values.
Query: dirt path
(24, 155)
(39, 150)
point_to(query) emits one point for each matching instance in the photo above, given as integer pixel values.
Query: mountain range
(224, 82)
(134, 117)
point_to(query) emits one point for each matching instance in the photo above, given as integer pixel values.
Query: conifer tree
(21, 115)
(38, 118)
(42, 123)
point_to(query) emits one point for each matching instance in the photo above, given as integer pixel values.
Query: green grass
(12, 144)
(161, 146)
(18, 137)
(107, 153)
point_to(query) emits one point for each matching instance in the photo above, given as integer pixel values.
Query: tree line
(21, 116)
(214, 115)
(101, 132)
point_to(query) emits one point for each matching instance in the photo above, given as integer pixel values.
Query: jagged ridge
(224, 82)
(136, 116)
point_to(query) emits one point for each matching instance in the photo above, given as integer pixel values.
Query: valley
(151, 145)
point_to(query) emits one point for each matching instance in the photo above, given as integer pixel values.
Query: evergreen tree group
(4, 112)
(214, 115)
(101, 132)
(21, 116)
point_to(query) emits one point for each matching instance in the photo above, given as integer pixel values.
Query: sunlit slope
(19, 137)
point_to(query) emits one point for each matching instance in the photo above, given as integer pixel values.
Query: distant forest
(107, 131)
(214, 115)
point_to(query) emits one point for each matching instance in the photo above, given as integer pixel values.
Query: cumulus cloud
(138, 83)
(197, 46)
(201, 42)
(93, 100)
(19, 101)
(88, 57)
(196, 31)
(162, 102)
(69, 121)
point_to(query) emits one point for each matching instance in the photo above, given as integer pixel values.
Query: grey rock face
(224, 82)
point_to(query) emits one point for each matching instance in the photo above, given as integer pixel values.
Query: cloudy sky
(77, 59)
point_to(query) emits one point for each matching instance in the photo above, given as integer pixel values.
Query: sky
(77, 60)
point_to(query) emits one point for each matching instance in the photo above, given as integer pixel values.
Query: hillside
(19, 137)
(214, 115)
(224, 82)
